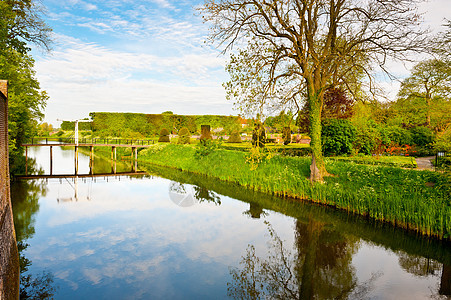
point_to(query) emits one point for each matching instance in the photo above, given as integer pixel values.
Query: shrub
(338, 136)
(235, 137)
(205, 148)
(164, 136)
(422, 136)
(365, 143)
(205, 133)
(184, 136)
(443, 141)
(399, 135)
(258, 135)
(286, 135)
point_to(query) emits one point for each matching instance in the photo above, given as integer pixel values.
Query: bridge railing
(81, 141)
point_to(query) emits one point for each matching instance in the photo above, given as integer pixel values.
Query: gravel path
(425, 163)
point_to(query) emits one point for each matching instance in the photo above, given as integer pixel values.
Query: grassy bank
(415, 200)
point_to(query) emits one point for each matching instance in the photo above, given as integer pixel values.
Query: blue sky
(144, 56)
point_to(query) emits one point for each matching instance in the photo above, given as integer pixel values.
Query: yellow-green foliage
(205, 133)
(164, 136)
(184, 136)
(113, 124)
(258, 135)
(234, 137)
(286, 135)
(443, 141)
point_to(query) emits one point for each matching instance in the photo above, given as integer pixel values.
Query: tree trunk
(445, 283)
(317, 168)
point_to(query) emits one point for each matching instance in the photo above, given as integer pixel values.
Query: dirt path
(425, 163)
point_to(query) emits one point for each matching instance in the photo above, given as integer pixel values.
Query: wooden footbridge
(91, 143)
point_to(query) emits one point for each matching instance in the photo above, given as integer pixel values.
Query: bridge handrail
(102, 141)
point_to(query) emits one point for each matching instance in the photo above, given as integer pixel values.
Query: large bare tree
(288, 49)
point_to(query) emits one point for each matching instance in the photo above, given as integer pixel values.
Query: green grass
(248, 145)
(395, 161)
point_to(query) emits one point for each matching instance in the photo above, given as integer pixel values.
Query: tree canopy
(430, 80)
(290, 50)
(21, 24)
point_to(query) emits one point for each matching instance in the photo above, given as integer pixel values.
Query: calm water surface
(173, 235)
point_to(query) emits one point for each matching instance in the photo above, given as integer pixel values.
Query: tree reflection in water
(318, 268)
(190, 192)
(422, 266)
(25, 197)
(255, 211)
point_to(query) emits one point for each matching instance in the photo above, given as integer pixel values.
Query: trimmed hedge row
(115, 124)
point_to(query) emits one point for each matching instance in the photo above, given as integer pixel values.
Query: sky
(144, 56)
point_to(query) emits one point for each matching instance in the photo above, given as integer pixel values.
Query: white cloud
(90, 6)
(89, 77)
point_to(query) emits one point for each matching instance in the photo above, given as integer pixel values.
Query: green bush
(399, 135)
(258, 135)
(422, 136)
(164, 136)
(307, 151)
(205, 148)
(365, 143)
(338, 136)
(443, 141)
(184, 136)
(286, 135)
(235, 137)
(205, 133)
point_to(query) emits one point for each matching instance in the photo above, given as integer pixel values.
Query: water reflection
(319, 267)
(425, 266)
(185, 195)
(255, 211)
(25, 197)
(130, 240)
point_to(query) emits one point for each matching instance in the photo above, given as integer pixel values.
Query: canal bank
(415, 201)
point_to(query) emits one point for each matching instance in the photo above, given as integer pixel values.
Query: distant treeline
(68, 125)
(132, 124)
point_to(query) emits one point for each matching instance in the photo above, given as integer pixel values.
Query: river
(167, 234)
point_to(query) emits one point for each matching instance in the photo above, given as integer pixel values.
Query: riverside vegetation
(411, 199)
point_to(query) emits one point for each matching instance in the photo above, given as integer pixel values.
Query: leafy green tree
(21, 24)
(291, 50)
(26, 102)
(429, 80)
(283, 119)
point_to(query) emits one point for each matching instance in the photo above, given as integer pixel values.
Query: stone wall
(9, 256)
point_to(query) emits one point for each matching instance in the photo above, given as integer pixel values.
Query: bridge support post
(113, 153)
(113, 159)
(76, 160)
(26, 160)
(136, 159)
(51, 160)
(91, 159)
